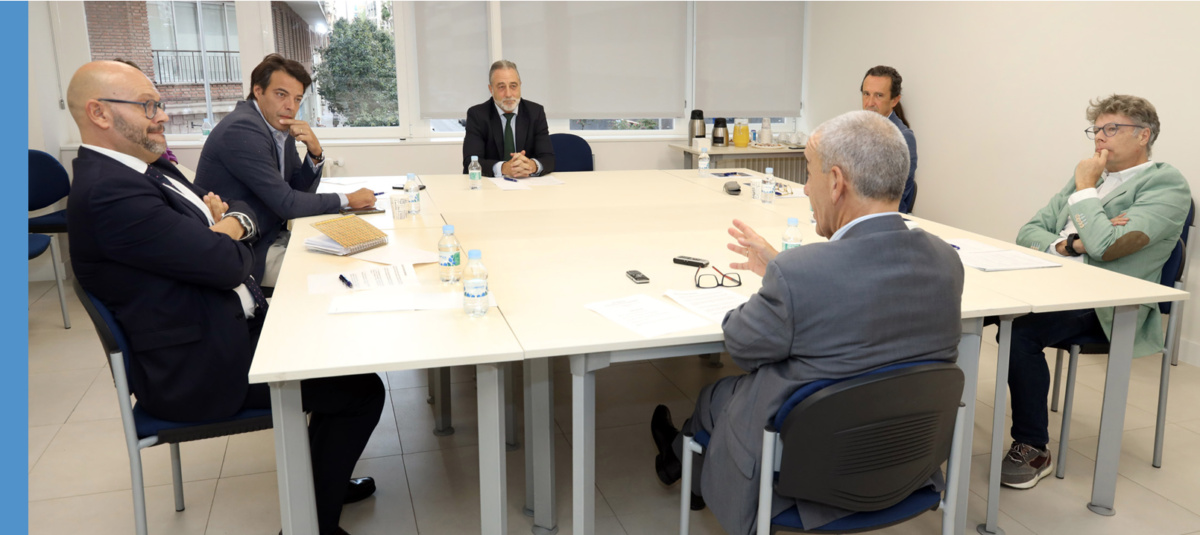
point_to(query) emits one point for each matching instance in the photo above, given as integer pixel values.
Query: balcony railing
(183, 67)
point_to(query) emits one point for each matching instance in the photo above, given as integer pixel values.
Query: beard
(140, 137)
(504, 104)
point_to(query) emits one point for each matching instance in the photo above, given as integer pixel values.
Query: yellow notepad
(349, 235)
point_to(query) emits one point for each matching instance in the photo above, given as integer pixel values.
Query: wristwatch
(317, 159)
(1071, 245)
(247, 225)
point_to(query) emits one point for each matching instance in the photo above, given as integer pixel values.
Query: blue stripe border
(14, 382)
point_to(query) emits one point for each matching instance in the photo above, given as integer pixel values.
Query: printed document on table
(397, 254)
(1004, 260)
(392, 301)
(711, 304)
(507, 184)
(966, 245)
(390, 276)
(646, 315)
(545, 180)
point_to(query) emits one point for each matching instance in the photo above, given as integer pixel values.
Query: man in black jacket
(251, 155)
(174, 265)
(507, 133)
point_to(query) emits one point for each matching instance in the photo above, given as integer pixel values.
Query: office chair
(1173, 277)
(48, 184)
(874, 442)
(913, 205)
(143, 430)
(572, 153)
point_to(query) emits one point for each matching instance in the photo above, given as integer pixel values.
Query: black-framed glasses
(151, 107)
(708, 280)
(1109, 129)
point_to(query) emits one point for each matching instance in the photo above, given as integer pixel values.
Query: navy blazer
(240, 161)
(147, 253)
(906, 200)
(485, 136)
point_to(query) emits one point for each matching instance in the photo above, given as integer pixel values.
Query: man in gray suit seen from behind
(876, 294)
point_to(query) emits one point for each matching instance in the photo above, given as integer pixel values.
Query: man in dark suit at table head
(251, 155)
(173, 263)
(874, 295)
(880, 89)
(508, 134)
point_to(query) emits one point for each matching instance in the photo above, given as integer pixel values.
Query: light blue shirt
(280, 143)
(496, 168)
(842, 231)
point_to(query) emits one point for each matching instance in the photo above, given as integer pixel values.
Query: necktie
(256, 292)
(509, 146)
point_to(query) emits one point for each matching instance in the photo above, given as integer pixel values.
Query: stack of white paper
(985, 257)
(391, 276)
(503, 184)
(711, 304)
(394, 301)
(646, 315)
(545, 180)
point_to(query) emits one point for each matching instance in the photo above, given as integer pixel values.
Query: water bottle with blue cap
(475, 285)
(791, 237)
(449, 256)
(413, 190)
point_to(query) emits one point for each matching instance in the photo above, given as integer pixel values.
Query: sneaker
(1024, 466)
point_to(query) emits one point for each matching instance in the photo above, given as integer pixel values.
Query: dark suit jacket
(910, 185)
(240, 161)
(148, 255)
(485, 136)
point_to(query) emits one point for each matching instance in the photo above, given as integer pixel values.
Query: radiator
(791, 168)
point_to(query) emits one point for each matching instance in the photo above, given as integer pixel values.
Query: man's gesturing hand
(752, 246)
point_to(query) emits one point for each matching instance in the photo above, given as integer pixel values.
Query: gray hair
(870, 151)
(503, 64)
(1138, 109)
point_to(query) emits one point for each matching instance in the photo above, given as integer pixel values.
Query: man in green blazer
(1121, 212)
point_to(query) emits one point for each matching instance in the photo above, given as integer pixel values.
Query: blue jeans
(1028, 372)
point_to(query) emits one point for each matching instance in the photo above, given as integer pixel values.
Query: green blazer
(1156, 201)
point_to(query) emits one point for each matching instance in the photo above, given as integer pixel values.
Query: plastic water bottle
(704, 161)
(756, 187)
(449, 256)
(475, 175)
(768, 187)
(206, 127)
(791, 236)
(475, 285)
(413, 190)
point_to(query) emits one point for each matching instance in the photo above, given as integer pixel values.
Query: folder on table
(345, 236)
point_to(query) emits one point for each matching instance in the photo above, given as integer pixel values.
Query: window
(622, 124)
(354, 73)
(729, 80)
(452, 61)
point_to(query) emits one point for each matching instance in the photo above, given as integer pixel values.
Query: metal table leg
(688, 160)
(968, 361)
(990, 527)
(439, 388)
(539, 429)
(583, 432)
(510, 422)
(526, 380)
(1112, 416)
(493, 506)
(293, 462)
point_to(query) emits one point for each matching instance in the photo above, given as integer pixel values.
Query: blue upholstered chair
(840, 425)
(1172, 276)
(143, 430)
(48, 184)
(572, 153)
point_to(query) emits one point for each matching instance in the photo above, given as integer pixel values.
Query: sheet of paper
(391, 276)
(1004, 260)
(965, 245)
(344, 180)
(546, 180)
(397, 254)
(394, 301)
(507, 184)
(646, 315)
(797, 193)
(709, 304)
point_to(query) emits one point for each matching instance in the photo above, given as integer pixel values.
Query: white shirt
(842, 231)
(281, 142)
(136, 164)
(496, 168)
(1109, 183)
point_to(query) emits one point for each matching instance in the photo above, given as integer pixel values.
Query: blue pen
(510, 179)
(956, 248)
(346, 281)
(378, 193)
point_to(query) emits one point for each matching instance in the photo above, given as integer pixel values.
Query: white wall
(996, 94)
(47, 122)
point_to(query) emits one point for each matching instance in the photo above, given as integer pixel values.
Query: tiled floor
(79, 471)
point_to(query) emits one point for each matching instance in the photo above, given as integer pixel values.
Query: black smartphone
(637, 277)
(691, 261)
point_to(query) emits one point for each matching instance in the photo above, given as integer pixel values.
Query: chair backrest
(48, 181)
(913, 203)
(112, 338)
(1174, 268)
(571, 153)
(866, 443)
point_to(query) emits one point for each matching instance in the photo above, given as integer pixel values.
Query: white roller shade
(748, 58)
(452, 57)
(598, 60)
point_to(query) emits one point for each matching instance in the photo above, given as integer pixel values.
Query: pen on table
(345, 281)
(956, 248)
(510, 179)
(378, 193)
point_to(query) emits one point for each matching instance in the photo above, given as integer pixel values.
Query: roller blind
(598, 60)
(748, 58)
(452, 57)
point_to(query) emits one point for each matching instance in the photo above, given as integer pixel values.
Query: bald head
(114, 125)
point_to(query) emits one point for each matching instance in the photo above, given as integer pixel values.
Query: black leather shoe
(668, 467)
(360, 489)
(339, 531)
(698, 503)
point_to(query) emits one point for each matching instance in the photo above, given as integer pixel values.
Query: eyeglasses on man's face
(1109, 129)
(150, 107)
(708, 280)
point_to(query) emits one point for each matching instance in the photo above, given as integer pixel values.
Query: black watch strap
(1071, 244)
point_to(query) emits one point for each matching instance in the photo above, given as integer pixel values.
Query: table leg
(713, 360)
(541, 444)
(968, 361)
(527, 381)
(510, 422)
(688, 160)
(1112, 416)
(493, 507)
(439, 386)
(293, 462)
(990, 527)
(583, 442)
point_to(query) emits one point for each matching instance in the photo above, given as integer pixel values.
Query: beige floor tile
(63, 350)
(931, 522)
(39, 438)
(418, 378)
(112, 512)
(245, 505)
(385, 440)
(415, 421)
(981, 441)
(1183, 401)
(45, 314)
(625, 395)
(100, 402)
(1059, 506)
(37, 289)
(625, 472)
(90, 457)
(690, 374)
(664, 520)
(1192, 425)
(389, 511)
(249, 453)
(1179, 478)
(53, 396)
